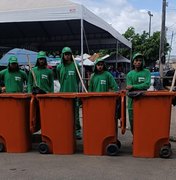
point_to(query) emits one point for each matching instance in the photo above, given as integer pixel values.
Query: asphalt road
(32, 165)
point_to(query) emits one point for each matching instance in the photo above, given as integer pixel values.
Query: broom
(79, 74)
(36, 89)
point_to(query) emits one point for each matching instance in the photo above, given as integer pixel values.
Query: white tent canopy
(52, 24)
(116, 59)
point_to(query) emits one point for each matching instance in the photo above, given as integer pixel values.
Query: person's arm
(2, 88)
(129, 82)
(25, 79)
(112, 83)
(51, 80)
(30, 82)
(79, 69)
(0, 80)
(2, 75)
(90, 88)
(58, 72)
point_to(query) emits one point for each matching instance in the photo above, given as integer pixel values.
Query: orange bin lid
(57, 95)
(159, 93)
(103, 94)
(79, 95)
(15, 95)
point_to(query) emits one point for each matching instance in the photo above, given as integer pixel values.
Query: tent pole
(117, 53)
(82, 69)
(131, 56)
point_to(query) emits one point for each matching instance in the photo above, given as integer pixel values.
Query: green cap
(137, 55)
(99, 60)
(41, 54)
(13, 59)
(66, 49)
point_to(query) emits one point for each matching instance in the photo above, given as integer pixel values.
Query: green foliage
(149, 46)
(103, 52)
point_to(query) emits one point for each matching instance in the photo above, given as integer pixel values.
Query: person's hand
(3, 89)
(129, 87)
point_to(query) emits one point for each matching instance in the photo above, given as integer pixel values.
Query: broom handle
(79, 74)
(173, 81)
(30, 67)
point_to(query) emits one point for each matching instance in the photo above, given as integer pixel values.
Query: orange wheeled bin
(151, 123)
(14, 123)
(57, 123)
(100, 123)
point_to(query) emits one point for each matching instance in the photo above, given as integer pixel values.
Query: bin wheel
(112, 149)
(1, 147)
(43, 148)
(165, 152)
(118, 144)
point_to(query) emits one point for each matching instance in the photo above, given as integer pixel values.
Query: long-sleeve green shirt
(139, 80)
(68, 77)
(44, 78)
(14, 81)
(102, 82)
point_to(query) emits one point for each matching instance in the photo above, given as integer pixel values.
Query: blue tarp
(21, 54)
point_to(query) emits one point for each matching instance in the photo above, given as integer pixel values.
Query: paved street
(32, 165)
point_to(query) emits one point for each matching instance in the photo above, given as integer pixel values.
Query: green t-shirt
(68, 77)
(102, 82)
(14, 81)
(44, 78)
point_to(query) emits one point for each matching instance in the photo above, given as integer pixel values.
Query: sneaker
(78, 135)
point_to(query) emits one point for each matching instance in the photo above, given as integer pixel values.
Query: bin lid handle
(136, 94)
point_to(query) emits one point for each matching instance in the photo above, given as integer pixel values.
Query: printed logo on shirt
(103, 82)
(44, 76)
(17, 78)
(71, 73)
(141, 79)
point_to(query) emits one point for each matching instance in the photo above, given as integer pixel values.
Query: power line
(172, 25)
(171, 9)
(169, 35)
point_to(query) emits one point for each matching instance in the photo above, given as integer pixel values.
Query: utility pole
(150, 17)
(162, 40)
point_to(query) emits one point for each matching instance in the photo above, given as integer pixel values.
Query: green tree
(103, 52)
(149, 46)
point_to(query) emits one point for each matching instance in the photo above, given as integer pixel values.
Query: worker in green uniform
(102, 80)
(138, 79)
(14, 79)
(43, 75)
(69, 82)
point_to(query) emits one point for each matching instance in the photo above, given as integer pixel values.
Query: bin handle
(135, 94)
(123, 113)
(32, 115)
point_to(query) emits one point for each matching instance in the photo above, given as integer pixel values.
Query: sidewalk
(34, 166)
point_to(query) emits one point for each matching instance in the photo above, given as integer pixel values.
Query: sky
(122, 14)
